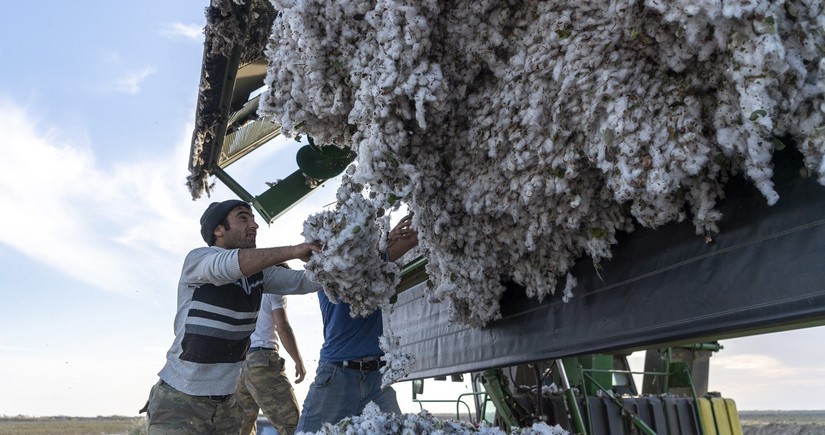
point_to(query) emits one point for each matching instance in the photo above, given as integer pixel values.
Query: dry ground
(72, 426)
(782, 422)
(753, 423)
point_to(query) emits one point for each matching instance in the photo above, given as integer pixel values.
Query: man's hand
(402, 238)
(300, 372)
(402, 230)
(304, 251)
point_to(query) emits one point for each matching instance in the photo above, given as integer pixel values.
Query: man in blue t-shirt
(348, 376)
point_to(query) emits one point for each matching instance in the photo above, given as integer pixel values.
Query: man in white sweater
(219, 295)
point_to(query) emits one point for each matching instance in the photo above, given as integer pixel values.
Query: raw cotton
(525, 135)
(373, 422)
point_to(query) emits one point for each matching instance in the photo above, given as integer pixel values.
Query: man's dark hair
(216, 214)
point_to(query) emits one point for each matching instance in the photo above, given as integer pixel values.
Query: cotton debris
(525, 135)
(398, 362)
(373, 422)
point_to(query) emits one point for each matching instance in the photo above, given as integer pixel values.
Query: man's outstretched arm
(254, 260)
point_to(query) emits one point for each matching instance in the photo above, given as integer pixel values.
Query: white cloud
(9, 348)
(761, 381)
(188, 31)
(130, 83)
(123, 228)
(753, 364)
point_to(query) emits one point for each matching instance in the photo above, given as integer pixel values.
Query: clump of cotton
(372, 422)
(525, 135)
(351, 266)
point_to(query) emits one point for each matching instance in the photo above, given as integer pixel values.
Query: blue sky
(97, 101)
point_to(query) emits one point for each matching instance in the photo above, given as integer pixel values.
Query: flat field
(753, 423)
(782, 422)
(72, 426)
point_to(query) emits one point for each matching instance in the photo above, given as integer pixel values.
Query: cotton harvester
(665, 291)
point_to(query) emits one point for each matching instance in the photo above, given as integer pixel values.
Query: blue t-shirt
(347, 338)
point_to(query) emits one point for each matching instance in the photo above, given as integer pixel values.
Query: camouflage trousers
(264, 384)
(171, 412)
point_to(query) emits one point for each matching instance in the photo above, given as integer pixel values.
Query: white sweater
(217, 311)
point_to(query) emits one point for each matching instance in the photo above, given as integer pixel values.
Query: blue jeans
(339, 392)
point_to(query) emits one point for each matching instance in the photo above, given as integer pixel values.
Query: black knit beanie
(214, 215)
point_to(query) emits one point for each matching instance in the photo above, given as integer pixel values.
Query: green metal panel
(281, 197)
(413, 273)
(597, 367)
(276, 200)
